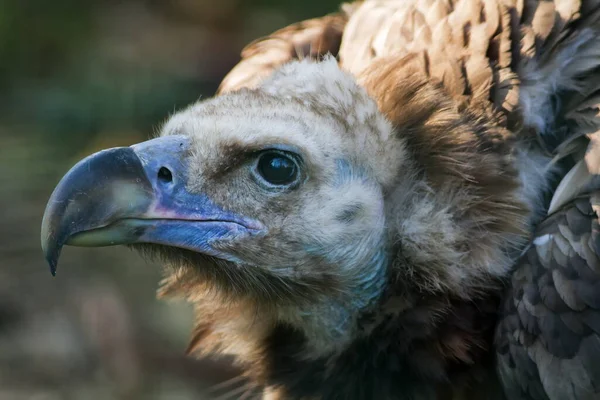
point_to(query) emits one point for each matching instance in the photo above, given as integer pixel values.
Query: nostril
(165, 175)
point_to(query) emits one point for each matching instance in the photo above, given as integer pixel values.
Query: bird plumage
(548, 337)
(425, 145)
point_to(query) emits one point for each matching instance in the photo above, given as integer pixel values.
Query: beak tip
(52, 260)
(78, 203)
(51, 251)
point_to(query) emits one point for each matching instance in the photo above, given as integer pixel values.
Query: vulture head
(346, 225)
(310, 214)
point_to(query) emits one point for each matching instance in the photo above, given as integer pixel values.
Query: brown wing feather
(515, 56)
(467, 44)
(312, 38)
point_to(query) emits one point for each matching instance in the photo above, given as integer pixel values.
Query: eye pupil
(277, 169)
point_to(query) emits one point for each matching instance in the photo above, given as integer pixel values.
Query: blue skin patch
(346, 173)
(369, 275)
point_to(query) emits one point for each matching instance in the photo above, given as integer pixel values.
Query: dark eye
(277, 168)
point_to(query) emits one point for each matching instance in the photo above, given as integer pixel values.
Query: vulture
(398, 200)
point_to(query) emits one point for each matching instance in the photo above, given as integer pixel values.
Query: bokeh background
(77, 76)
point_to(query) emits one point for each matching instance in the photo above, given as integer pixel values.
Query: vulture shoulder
(525, 59)
(548, 337)
(532, 61)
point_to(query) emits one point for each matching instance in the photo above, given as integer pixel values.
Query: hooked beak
(137, 194)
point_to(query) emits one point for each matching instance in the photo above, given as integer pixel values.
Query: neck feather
(406, 346)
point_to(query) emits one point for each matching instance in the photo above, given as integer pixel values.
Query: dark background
(77, 76)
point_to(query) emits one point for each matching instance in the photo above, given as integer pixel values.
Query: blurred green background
(77, 76)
